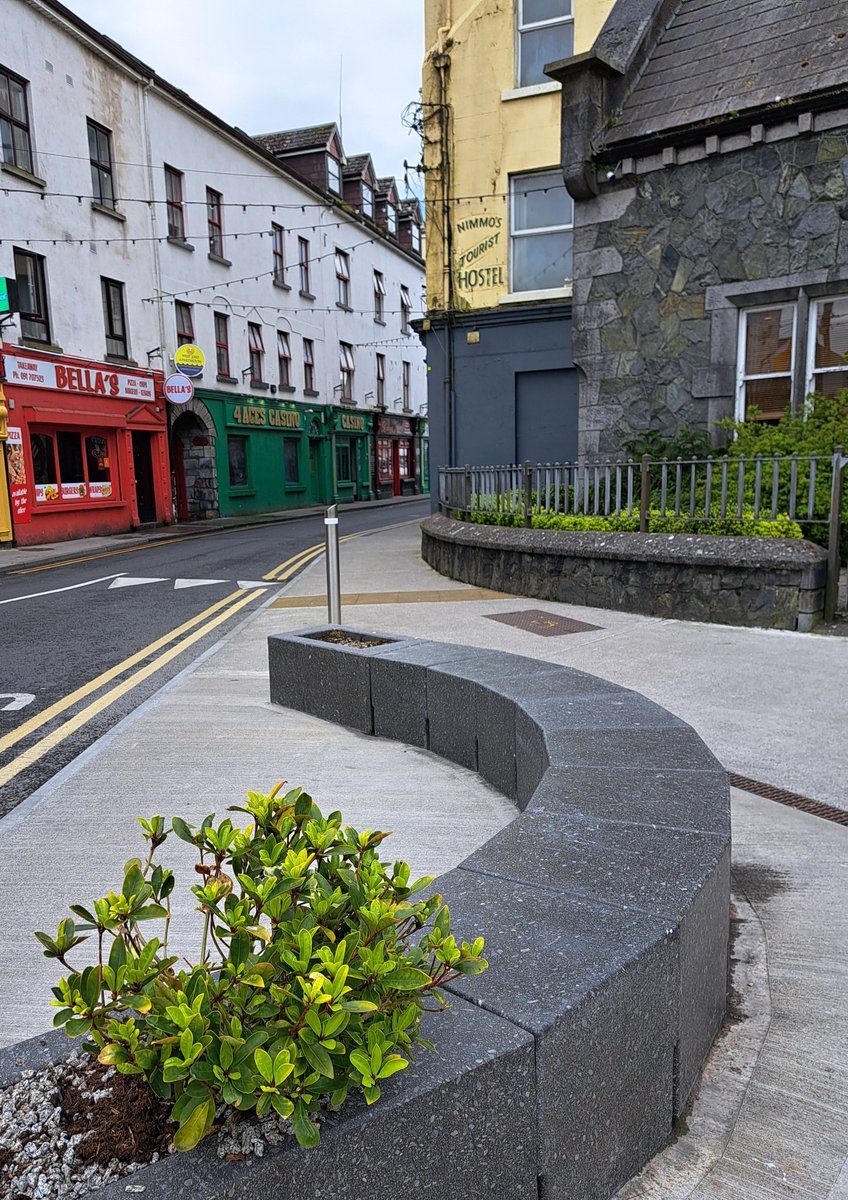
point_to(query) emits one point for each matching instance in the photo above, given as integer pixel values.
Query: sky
(266, 65)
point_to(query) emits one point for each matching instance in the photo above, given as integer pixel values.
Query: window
(541, 218)
(342, 279)
(174, 204)
(407, 375)
(291, 460)
(404, 460)
(237, 459)
(100, 154)
(222, 345)
(114, 315)
(14, 122)
(334, 174)
(367, 200)
(827, 369)
(384, 458)
(344, 461)
(379, 297)
(215, 222)
(405, 309)
(308, 365)
(257, 351)
(303, 264)
(279, 255)
(185, 323)
(32, 296)
(391, 218)
(284, 357)
(69, 465)
(380, 394)
(415, 235)
(545, 34)
(347, 369)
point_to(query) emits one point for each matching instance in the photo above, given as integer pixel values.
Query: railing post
(528, 495)
(644, 494)
(466, 499)
(334, 600)
(833, 564)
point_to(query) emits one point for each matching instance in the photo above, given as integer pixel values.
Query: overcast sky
(274, 64)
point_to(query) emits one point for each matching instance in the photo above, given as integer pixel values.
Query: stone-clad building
(706, 149)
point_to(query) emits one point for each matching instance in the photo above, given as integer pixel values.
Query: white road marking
(192, 583)
(135, 581)
(250, 583)
(70, 588)
(16, 700)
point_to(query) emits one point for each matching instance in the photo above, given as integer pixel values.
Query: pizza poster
(16, 468)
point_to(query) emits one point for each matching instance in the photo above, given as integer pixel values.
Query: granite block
(472, 725)
(399, 686)
(675, 748)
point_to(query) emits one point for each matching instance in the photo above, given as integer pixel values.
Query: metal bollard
(334, 599)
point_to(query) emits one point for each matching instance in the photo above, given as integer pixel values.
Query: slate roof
(286, 141)
(716, 58)
(386, 185)
(356, 164)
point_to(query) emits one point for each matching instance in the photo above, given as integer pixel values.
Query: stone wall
(775, 583)
(665, 256)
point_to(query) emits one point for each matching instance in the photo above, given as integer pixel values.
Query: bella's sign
(62, 377)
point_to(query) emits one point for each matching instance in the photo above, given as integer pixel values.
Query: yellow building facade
(502, 385)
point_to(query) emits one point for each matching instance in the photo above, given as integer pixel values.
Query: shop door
(396, 468)
(316, 492)
(143, 467)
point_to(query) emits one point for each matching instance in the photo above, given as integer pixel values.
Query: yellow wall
(474, 139)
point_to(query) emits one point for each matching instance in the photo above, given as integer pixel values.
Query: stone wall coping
(691, 549)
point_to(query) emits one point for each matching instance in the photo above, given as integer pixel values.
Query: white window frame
(334, 175)
(284, 356)
(380, 395)
(391, 217)
(367, 203)
(406, 386)
(812, 369)
(405, 308)
(379, 297)
(536, 230)
(256, 351)
(742, 377)
(523, 27)
(343, 278)
(347, 371)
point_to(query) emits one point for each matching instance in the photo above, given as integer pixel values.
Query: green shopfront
(351, 435)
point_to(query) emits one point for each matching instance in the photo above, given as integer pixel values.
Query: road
(85, 641)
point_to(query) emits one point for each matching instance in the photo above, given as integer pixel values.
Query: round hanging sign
(178, 389)
(190, 360)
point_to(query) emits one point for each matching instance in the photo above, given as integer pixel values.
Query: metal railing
(806, 489)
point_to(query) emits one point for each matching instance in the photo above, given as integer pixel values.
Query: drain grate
(545, 624)
(769, 792)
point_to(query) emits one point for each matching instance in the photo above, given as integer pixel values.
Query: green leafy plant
(316, 959)
(744, 526)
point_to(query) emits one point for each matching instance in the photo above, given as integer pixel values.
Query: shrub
(745, 526)
(311, 978)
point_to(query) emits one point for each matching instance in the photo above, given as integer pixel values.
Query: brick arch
(193, 456)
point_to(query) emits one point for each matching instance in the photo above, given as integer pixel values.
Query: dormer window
(391, 218)
(416, 238)
(334, 175)
(367, 200)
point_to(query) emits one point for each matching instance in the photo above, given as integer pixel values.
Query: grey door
(546, 416)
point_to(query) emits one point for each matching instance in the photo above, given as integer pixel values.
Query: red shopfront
(394, 456)
(88, 447)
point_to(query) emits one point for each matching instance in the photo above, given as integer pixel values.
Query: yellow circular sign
(189, 360)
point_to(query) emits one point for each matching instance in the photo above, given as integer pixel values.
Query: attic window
(334, 175)
(367, 199)
(391, 217)
(545, 34)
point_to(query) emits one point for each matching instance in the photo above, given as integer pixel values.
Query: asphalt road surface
(86, 641)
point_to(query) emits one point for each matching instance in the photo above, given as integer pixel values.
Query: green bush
(727, 527)
(311, 976)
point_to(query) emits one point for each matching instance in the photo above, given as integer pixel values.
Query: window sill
(96, 206)
(242, 491)
(560, 293)
(182, 243)
(119, 360)
(310, 392)
(226, 379)
(288, 388)
(306, 295)
(27, 176)
(343, 307)
(260, 385)
(532, 89)
(295, 487)
(216, 258)
(36, 344)
(379, 321)
(284, 287)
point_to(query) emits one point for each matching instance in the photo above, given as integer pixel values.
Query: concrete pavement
(771, 1119)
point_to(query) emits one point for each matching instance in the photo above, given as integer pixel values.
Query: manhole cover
(546, 624)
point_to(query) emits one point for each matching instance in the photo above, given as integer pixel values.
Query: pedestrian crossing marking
(125, 581)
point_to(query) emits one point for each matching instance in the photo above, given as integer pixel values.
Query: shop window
(346, 372)
(407, 375)
(222, 345)
(174, 204)
(97, 461)
(114, 315)
(342, 279)
(215, 222)
(828, 353)
(257, 351)
(545, 34)
(344, 461)
(291, 459)
(384, 458)
(381, 381)
(15, 133)
(32, 296)
(367, 200)
(278, 244)
(237, 459)
(541, 219)
(284, 358)
(379, 297)
(308, 365)
(43, 460)
(185, 323)
(404, 460)
(405, 309)
(69, 465)
(303, 265)
(100, 157)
